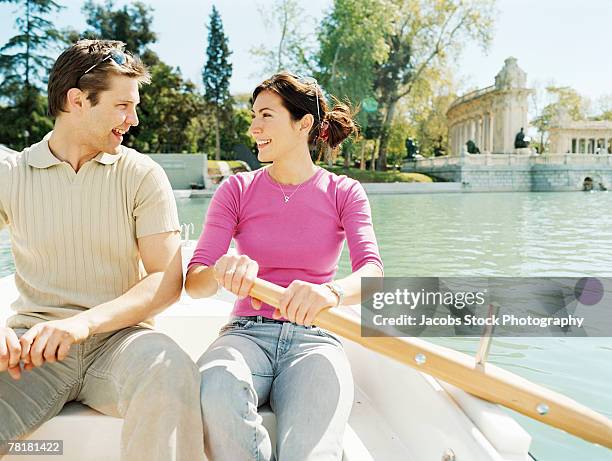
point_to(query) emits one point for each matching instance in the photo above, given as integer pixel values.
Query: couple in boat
(96, 243)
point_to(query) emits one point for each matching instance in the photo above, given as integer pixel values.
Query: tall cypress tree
(24, 66)
(216, 74)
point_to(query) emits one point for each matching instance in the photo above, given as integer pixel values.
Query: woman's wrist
(337, 291)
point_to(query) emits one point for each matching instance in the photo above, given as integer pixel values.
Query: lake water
(513, 234)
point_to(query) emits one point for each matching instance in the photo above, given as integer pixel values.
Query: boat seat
(88, 434)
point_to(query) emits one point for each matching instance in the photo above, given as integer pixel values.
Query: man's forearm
(147, 298)
(200, 282)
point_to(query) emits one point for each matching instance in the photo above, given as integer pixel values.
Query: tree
(294, 50)
(170, 115)
(25, 119)
(24, 72)
(424, 35)
(352, 43)
(561, 102)
(425, 108)
(216, 74)
(170, 108)
(130, 24)
(604, 106)
(352, 38)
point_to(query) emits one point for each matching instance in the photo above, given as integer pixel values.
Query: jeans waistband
(262, 319)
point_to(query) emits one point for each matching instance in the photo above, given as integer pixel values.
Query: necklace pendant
(286, 199)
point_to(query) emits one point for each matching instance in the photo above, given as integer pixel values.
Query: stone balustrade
(510, 159)
(519, 172)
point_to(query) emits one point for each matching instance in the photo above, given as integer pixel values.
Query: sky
(565, 42)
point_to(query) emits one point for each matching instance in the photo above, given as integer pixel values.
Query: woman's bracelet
(337, 290)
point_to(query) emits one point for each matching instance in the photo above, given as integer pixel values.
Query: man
(96, 243)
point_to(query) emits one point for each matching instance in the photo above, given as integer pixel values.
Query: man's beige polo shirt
(74, 235)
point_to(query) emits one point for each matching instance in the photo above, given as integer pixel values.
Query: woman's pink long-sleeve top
(296, 240)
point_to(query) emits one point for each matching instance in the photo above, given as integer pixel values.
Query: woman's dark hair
(299, 97)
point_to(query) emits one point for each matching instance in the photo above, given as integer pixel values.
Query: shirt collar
(40, 155)
(108, 159)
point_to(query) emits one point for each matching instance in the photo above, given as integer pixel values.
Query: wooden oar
(485, 381)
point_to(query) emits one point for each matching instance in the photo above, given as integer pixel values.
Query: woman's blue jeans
(301, 371)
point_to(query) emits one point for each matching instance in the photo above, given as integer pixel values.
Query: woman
(289, 221)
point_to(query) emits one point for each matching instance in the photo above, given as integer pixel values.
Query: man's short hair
(69, 71)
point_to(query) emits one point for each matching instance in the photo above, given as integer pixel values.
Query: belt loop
(259, 319)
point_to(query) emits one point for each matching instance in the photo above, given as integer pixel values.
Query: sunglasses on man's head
(115, 55)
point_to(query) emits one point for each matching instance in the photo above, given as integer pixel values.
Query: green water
(514, 234)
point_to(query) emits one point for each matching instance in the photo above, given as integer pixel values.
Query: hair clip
(324, 130)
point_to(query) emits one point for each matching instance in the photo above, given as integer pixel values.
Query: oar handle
(487, 381)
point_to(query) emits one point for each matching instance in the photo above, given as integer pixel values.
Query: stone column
(487, 131)
(491, 130)
(480, 133)
(459, 137)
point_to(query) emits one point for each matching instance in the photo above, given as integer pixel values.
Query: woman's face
(274, 131)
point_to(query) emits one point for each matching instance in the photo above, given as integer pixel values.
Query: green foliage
(25, 120)
(24, 64)
(564, 104)
(424, 35)
(130, 24)
(568, 100)
(216, 76)
(217, 70)
(352, 44)
(398, 51)
(366, 176)
(236, 131)
(170, 114)
(426, 108)
(29, 64)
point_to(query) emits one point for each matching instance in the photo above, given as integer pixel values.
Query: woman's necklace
(285, 196)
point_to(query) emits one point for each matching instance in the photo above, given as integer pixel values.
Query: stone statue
(438, 147)
(519, 140)
(472, 148)
(411, 149)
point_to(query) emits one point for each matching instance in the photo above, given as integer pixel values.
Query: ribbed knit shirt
(74, 235)
(300, 239)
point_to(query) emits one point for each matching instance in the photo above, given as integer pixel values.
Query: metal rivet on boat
(542, 408)
(420, 359)
(448, 455)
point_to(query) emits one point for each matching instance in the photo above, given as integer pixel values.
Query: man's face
(105, 123)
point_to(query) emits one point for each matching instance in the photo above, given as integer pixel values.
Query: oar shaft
(487, 382)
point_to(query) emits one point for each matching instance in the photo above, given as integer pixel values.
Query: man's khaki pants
(136, 373)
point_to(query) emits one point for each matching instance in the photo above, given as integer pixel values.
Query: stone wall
(183, 169)
(519, 173)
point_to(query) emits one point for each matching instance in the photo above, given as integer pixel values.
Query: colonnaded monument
(490, 149)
